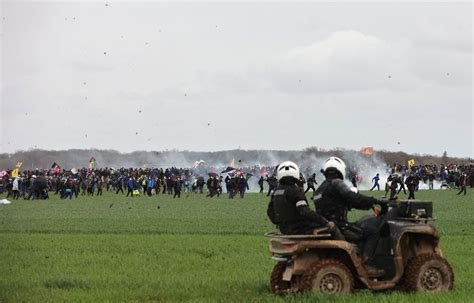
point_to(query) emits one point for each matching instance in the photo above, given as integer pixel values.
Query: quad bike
(408, 256)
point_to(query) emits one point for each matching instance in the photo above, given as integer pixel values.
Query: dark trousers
(119, 189)
(375, 185)
(16, 195)
(310, 187)
(411, 193)
(370, 230)
(212, 193)
(463, 189)
(130, 191)
(31, 194)
(371, 239)
(261, 188)
(270, 189)
(393, 193)
(402, 186)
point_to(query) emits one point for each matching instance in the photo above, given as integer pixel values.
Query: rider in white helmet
(288, 207)
(336, 165)
(333, 200)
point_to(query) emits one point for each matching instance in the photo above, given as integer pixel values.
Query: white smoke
(365, 166)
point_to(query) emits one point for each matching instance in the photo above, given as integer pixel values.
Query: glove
(383, 206)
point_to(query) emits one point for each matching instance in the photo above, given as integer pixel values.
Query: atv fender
(410, 240)
(305, 253)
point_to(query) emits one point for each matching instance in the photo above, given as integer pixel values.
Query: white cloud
(343, 61)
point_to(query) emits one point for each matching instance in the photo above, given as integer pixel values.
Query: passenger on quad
(288, 207)
(334, 199)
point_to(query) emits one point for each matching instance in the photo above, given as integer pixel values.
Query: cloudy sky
(251, 75)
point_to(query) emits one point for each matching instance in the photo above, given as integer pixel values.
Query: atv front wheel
(328, 276)
(428, 273)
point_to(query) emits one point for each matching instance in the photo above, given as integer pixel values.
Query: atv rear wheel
(328, 276)
(428, 273)
(277, 284)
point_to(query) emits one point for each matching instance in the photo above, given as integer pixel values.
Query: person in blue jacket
(150, 183)
(376, 182)
(129, 185)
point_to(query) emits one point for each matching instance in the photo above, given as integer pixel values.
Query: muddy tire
(328, 276)
(277, 284)
(428, 273)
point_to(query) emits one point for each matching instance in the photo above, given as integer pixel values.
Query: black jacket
(289, 210)
(334, 199)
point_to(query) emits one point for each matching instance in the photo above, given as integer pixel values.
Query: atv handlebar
(383, 208)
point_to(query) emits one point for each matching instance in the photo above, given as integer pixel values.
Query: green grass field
(142, 249)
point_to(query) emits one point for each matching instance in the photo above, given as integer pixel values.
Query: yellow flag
(15, 173)
(411, 162)
(19, 164)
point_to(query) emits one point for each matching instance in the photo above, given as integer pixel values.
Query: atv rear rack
(319, 235)
(416, 219)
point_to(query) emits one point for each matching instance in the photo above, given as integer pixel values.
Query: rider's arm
(304, 210)
(355, 200)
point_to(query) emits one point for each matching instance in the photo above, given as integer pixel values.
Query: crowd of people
(40, 183)
(410, 178)
(449, 175)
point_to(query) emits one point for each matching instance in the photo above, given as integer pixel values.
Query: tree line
(38, 158)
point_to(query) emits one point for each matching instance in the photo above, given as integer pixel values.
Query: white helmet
(336, 163)
(288, 169)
